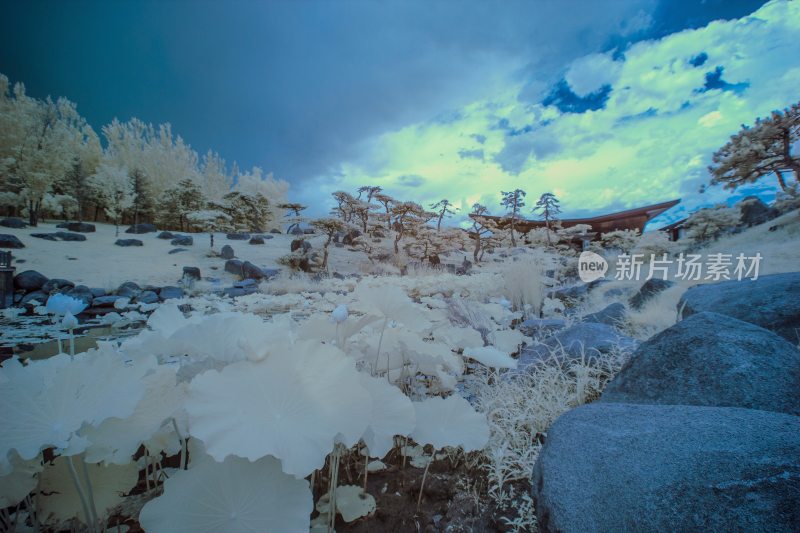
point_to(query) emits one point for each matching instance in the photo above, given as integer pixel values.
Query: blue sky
(608, 104)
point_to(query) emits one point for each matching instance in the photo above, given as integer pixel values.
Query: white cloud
(589, 73)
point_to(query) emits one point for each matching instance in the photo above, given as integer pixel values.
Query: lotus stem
(32, 513)
(422, 485)
(74, 475)
(183, 444)
(72, 342)
(366, 468)
(146, 466)
(332, 483)
(89, 492)
(58, 339)
(380, 342)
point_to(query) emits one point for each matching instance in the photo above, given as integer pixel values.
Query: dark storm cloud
(291, 86)
(299, 87)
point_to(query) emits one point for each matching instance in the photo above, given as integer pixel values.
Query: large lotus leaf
(234, 496)
(57, 499)
(293, 405)
(116, 440)
(450, 421)
(47, 401)
(20, 481)
(392, 414)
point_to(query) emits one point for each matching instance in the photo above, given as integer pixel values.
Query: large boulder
(15, 223)
(651, 288)
(350, 237)
(191, 272)
(276, 231)
(141, 228)
(234, 266)
(537, 327)
(166, 235)
(147, 297)
(45, 236)
(81, 292)
(70, 237)
(251, 271)
(37, 296)
(238, 236)
(299, 244)
(29, 280)
(582, 340)
(754, 211)
(128, 242)
(258, 239)
(10, 241)
(182, 240)
(715, 360)
(295, 230)
(105, 301)
(81, 227)
(169, 292)
(57, 284)
(227, 252)
(772, 302)
(129, 289)
(623, 467)
(610, 315)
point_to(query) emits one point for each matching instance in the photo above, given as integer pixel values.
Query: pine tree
(513, 201)
(765, 148)
(442, 207)
(550, 209)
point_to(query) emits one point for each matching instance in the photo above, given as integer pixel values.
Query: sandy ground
(98, 262)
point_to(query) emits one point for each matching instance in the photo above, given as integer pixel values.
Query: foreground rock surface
(583, 340)
(714, 360)
(622, 467)
(772, 302)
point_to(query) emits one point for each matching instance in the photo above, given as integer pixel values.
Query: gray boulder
(715, 360)
(29, 280)
(295, 230)
(69, 236)
(191, 272)
(39, 296)
(648, 291)
(754, 211)
(534, 327)
(177, 250)
(309, 231)
(147, 297)
(57, 284)
(96, 291)
(772, 302)
(238, 236)
(81, 227)
(166, 235)
(275, 231)
(45, 236)
(234, 266)
(169, 292)
(105, 301)
(350, 237)
(128, 242)
(297, 244)
(10, 241)
(584, 339)
(141, 228)
(182, 240)
(15, 223)
(610, 315)
(234, 292)
(623, 467)
(81, 292)
(129, 289)
(576, 292)
(227, 252)
(251, 271)
(258, 239)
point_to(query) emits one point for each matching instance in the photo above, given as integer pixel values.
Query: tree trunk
(477, 248)
(781, 181)
(513, 241)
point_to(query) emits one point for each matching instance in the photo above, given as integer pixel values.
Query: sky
(608, 104)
